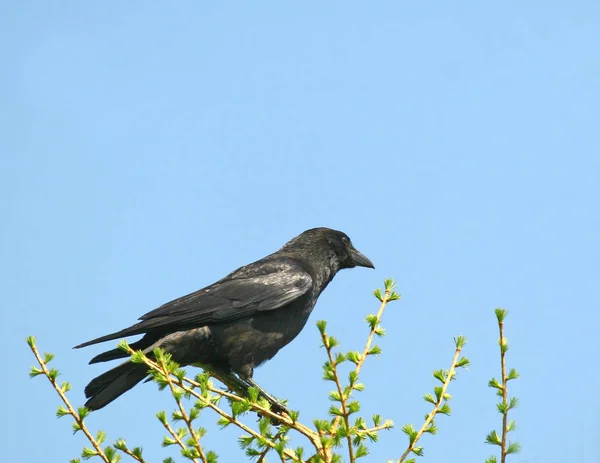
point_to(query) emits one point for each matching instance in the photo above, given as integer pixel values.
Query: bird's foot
(279, 408)
(276, 407)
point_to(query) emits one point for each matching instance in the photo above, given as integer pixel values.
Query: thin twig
(361, 360)
(126, 451)
(263, 455)
(343, 399)
(436, 407)
(185, 416)
(70, 408)
(176, 437)
(504, 392)
(382, 427)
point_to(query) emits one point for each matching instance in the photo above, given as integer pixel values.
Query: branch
(136, 453)
(503, 349)
(343, 398)
(506, 403)
(439, 405)
(139, 357)
(162, 417)
(388, 296)
(263, 455)
(77, 416)
(184, 415)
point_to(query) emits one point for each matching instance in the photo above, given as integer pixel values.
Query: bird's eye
(345, 240)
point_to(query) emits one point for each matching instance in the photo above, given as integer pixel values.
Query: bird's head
(331, 244)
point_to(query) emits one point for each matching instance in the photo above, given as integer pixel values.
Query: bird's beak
(360, 259)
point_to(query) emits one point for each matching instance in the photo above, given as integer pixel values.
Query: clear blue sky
(148, 150)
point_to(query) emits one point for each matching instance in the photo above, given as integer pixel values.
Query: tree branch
(80, 425)
(343, 398)
(436, 408)
(387, 297)
(184, 415)
(230, 418)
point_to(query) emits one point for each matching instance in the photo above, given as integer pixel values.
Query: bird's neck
(324, 272)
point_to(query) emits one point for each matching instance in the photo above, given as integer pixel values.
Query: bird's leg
(276, 405)
(230, 380)
(240, 385)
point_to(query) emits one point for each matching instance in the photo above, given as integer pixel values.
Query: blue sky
(148, 150)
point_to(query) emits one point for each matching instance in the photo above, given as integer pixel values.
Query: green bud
(334, 396)
(322, 325)
(439, 375)
(353, 407)
(500, 314)
(375, 350)
(445, 409)
(34, 371)
(513, 447)
(88, 453)
(493, 439)
(335, 411)
(176, 415)
(432, 428)
(512, 374)
(418, 451)
(354, 356)
(223, 422)
(120, 444)
(377, 293)
(463, 362)
(83, 412)
(100, 437)
(409, 430)
(379, 332)
(361, 451)
(389, 284)
(460, 342)
(394, 296)
(372, 321)
(495, 384)
(162, 417)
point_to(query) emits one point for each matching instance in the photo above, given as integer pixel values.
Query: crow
(237, 323)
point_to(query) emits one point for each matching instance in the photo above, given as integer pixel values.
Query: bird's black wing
(268, 284)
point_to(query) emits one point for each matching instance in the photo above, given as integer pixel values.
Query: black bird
(237, 323)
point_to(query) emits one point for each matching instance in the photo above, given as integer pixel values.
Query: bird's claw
(276, 407)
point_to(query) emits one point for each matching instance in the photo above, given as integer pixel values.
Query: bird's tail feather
(117, 353)
(131, 331)
(105, 388)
